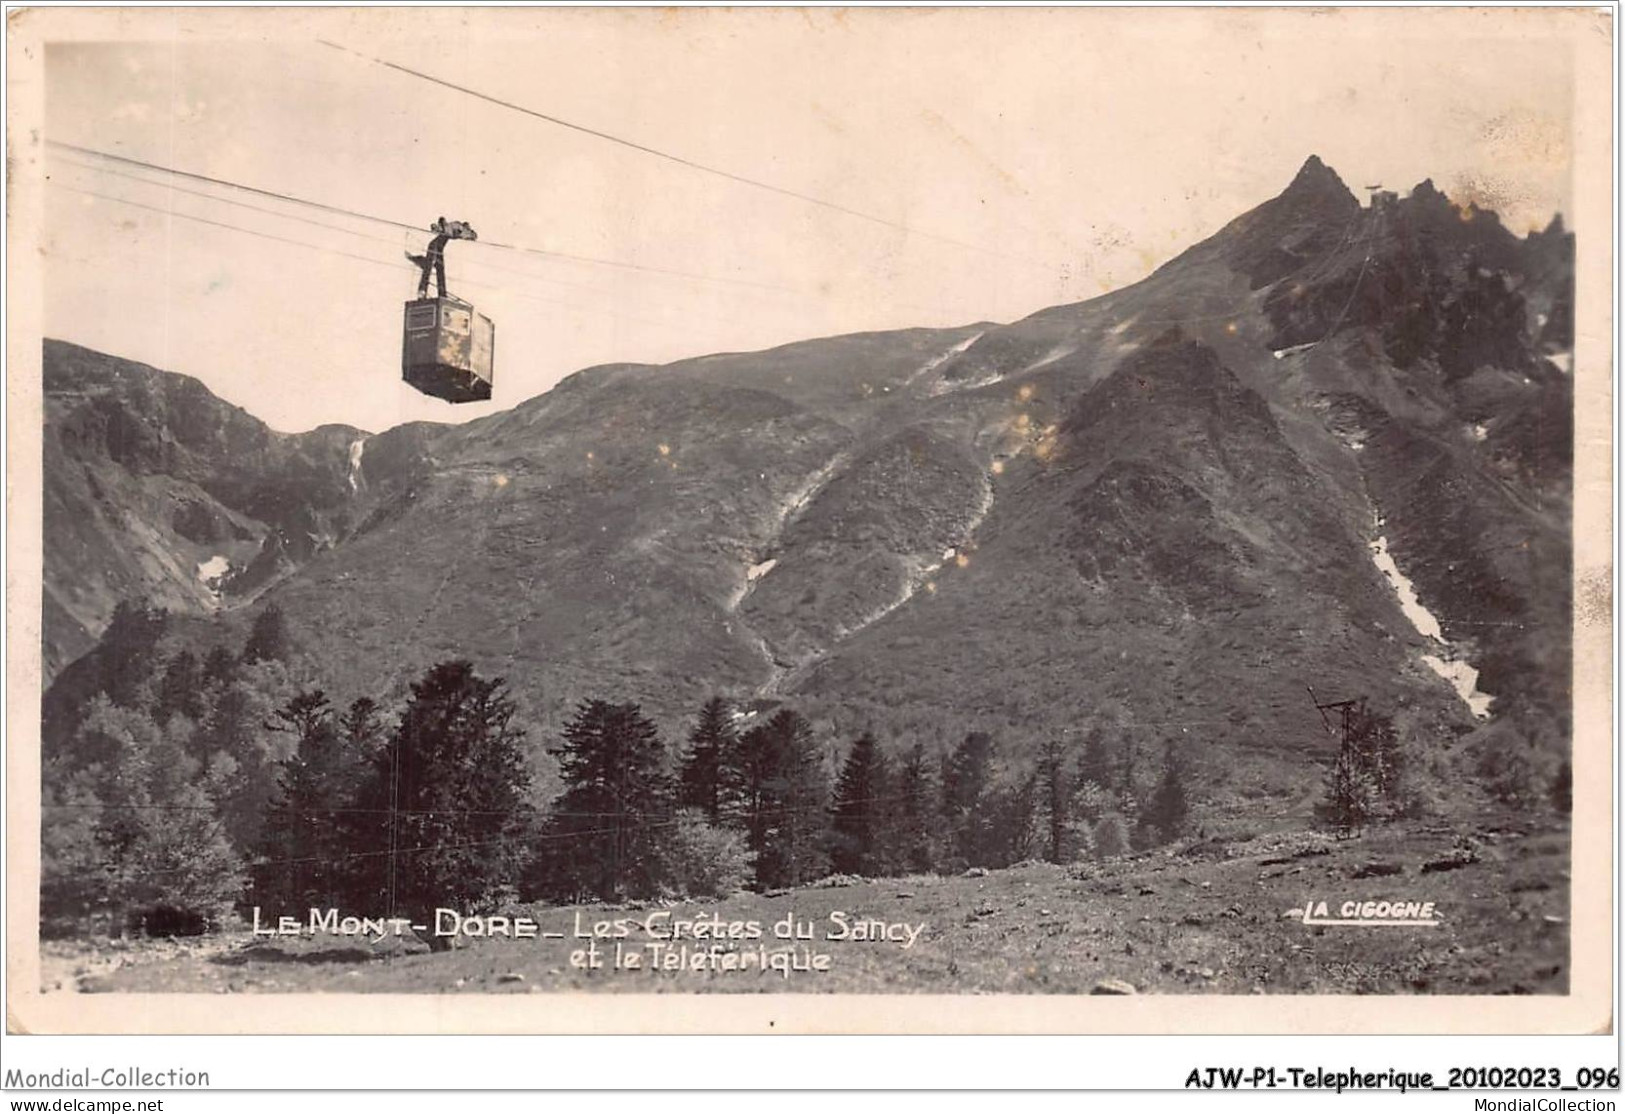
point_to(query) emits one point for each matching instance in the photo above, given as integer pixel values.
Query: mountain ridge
(1154, 507)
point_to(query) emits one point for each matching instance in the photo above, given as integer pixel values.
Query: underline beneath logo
(1373, 922)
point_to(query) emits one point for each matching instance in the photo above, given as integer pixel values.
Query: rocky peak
(1304, 222)
(1315, 180)
(1425, 195)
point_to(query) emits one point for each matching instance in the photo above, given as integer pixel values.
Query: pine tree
(967, 772)
(302, 851)
(1349, 798)
(238, 723)
(1377, 751)
(966, 777)
(1092, 795)
(704, 782)
(127, 653)
(859, 829)
(307, 715)
(914, 841)
(605, 835)
(362, 727)
(1095, 764)
(219, 667)
(268, 638)
(1057, 794)
(1128, 776)
(1168, 809)
(441, 819)
(180, 690)
(1012, 811)
(782, 801)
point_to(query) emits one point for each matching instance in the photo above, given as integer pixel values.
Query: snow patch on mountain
(1462, 676)
(1421, 618)
(357, 447)
(798, 500)
(1059, 352)
(1293, 350)
(918, 571)
(947, 387)
(937, 361)
(213, 569)
(906, 593)
(752, 575)
(1464, 679)
(786, 512)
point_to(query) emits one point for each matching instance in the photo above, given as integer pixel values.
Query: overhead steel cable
(691, 164)
(235, 203)
(171, 187)
(351, 255)
(342, 211)
(777, 288)
(218, 224)
(196, 177)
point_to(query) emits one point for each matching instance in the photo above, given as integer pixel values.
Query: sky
(967, 165)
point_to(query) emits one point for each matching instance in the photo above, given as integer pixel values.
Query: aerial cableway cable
(357, 214)
(691, 164)
(219, 224)
(352, 255)
(171, 187)
(545, 253)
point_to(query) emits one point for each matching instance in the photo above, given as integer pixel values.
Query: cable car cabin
(447, 349)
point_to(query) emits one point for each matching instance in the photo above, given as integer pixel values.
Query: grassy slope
(1208, 920)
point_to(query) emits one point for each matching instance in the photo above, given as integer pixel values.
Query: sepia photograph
(562, 513)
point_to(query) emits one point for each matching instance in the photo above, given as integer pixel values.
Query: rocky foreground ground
(1208, 917)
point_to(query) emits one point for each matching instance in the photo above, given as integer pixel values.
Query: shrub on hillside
(1111, 836)
(703, 860)
(1080, 840)
(1509, 775)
